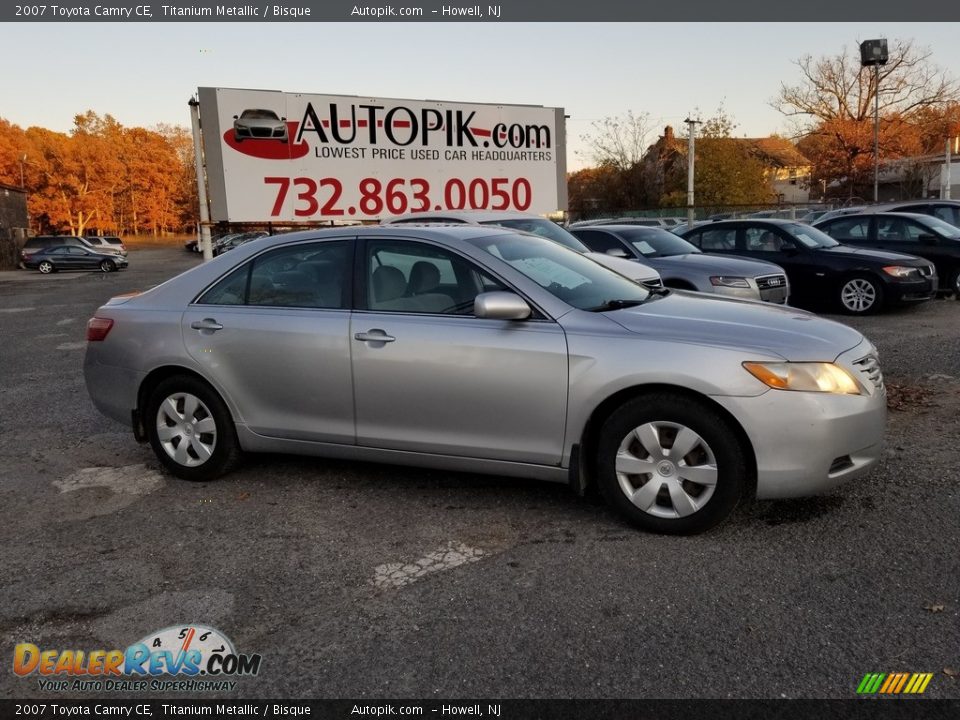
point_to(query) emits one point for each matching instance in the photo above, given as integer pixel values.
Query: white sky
(143, 74)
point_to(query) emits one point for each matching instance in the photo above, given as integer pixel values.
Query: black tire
(226, 451)
(46, 267)
(718, 442)
(108, 266)
(855, 293)
(953, 282)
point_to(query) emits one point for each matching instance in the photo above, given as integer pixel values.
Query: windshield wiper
(614, 305)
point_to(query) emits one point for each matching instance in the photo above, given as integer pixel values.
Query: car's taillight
(97, 328)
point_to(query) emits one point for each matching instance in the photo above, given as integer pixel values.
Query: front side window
(313, 275)
(413, 277)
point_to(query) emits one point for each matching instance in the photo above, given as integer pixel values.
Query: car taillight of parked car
(97, 328)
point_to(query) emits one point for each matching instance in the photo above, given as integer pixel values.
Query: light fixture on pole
(874, 52)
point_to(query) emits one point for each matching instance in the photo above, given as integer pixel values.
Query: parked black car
(946, 210)
(921, 235)
(821, 270)
(39, 242)
(74, 257)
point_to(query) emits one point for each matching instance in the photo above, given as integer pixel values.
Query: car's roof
(626, 227)
(878, 211)
(920, 201)
(752, 221)
(467, 216)
(424, 230)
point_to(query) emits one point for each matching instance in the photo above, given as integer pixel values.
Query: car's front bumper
(806, 443)
(912, 290)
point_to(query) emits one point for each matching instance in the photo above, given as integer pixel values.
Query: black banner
(460, 11)
(861, 709)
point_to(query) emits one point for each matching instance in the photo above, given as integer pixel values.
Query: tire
(860, 295)
(953, 283)
(190, 429)
(665, 494)
(46, 267)
(108, 266)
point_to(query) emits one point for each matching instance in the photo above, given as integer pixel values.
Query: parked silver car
(528, 222)
(487, 350)
(683, 266)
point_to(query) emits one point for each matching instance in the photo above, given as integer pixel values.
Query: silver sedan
(481, 349)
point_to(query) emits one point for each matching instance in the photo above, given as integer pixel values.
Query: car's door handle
(374, 336)
(206, 324)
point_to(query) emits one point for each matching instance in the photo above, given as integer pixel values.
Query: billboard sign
(293, 158)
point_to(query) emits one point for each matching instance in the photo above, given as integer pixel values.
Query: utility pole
(23, 159)
(946, 181)
(876, 133)
(691, 131)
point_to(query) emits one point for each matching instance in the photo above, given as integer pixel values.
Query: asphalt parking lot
(360, 580)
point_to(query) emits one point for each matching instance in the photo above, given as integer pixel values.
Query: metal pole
(23, 159)
(945, 194)
(201, 184)
(691, 131)
(876, 134)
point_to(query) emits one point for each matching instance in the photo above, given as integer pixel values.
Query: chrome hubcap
(858, 295)
(186, 429)
(666, 469)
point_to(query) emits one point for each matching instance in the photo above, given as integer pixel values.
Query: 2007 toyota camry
(487, 350)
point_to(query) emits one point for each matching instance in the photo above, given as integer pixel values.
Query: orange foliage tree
(102, 177)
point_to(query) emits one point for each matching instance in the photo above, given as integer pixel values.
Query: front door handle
(206, 324)
(374, 336)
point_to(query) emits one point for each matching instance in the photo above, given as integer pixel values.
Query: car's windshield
(654, 242)
(810, 236)
(567, 275)
(544, 228)
(259, 115)
(940, 227)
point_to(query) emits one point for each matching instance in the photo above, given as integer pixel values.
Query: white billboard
(294, 158)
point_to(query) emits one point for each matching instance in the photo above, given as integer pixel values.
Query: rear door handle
(374, 336)
(206, 324)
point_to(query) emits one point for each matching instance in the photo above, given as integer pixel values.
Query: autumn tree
(833, 106)
(726, 171)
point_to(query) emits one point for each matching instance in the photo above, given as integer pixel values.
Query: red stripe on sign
(481, 133)
(361, 123)
(344, 123)
(326, 123)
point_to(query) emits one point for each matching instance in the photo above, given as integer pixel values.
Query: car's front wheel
(46, 267)
(190, 429)
(108, 266)
(860, 295)
(671, 464)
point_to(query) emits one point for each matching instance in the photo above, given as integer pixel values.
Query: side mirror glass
(618, 252)
(500, 306)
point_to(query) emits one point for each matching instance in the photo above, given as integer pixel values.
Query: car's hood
(720, 264)
(871, 254)
(750, 325)
(636, 271)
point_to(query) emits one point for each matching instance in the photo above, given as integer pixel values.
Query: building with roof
(14, 223)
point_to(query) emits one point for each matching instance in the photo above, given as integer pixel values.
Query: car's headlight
(804, 376)
(899, 271)
(729, 281)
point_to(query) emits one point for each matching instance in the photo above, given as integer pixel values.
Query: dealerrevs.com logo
(182, 658)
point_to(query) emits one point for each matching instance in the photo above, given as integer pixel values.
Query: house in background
(788, 170)
(13, 224)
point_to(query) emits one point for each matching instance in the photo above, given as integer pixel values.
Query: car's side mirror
(500, 306)
(236, 117)
(618, 252)
(284, 119)
(927, 239)
(790, 250)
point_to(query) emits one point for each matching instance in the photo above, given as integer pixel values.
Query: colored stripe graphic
(894, 683)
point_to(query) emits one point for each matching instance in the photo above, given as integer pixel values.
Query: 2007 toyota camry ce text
(488, 350)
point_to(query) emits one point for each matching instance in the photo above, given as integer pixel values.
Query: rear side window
(849, 229)
(718, 239)
(315, 275)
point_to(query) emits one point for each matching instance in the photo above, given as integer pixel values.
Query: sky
(144, 74)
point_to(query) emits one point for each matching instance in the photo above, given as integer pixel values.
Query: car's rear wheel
(860, 295)
(108, 265)
(46, 267)
(671, 464)
(190, 429)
